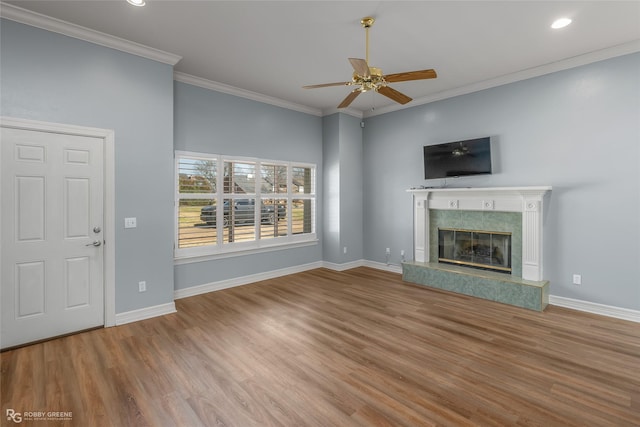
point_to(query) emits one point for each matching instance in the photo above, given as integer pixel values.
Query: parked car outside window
(243, 213)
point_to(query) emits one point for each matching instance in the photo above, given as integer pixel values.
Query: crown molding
(565, 64)
(24, 16)
(242, 93)
(349, 111)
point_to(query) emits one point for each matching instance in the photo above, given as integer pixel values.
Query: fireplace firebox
(486, 250)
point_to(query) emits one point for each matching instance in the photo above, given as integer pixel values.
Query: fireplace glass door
(489, 250)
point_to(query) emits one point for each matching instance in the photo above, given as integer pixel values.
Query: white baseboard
(145, 313)
(590, 307)
(252, 278)
(342, 267)
(393, 268)
(595, 308)
(243, 280)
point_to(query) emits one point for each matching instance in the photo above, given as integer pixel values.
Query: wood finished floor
(325, 348)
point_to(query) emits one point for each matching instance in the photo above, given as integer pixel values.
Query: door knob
(97, 230)
(94, 243)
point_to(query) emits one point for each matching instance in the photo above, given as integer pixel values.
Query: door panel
(29, 207)
(30, 153)
(52, 200)
(30, 285)
(77, 278)
(77, 209)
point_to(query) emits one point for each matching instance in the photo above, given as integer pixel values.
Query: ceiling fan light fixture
(371, 78)
(138, 3)
(560, 23)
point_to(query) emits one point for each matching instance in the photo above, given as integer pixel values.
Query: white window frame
(223, 249)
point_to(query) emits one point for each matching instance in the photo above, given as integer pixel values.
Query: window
(226, 205)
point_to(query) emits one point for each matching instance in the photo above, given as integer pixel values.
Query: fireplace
(499, 228)
(486, 208)
(485, 250)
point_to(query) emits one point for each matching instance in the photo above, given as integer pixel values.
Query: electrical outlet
(130, 223)
(344, 250)
(388, 251)
(577, 279)
(142, 286)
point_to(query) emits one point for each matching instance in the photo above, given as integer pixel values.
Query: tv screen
(459, 158)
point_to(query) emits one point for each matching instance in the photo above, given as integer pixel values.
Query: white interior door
(52, 238)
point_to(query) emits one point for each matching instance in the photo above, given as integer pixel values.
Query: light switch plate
(130, 223)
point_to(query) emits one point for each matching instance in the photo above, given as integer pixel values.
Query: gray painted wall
(54, 78)
(342, 153)
(213, 122)
(331, 186)
(351, 188)
(577, 130)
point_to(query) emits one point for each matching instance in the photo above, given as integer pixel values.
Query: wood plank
(353, 348)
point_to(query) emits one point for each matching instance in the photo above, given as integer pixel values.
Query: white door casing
(56, 272)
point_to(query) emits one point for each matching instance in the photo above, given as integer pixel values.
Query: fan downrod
(367, 22)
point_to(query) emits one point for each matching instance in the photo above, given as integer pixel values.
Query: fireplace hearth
(485, 250)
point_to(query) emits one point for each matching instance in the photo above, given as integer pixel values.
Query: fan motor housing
(375, 72)
(373, 81)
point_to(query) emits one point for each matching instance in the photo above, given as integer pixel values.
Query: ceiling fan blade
(360, 66)
(326, 85)
(411, 75)
(349, 99)
(391, 93)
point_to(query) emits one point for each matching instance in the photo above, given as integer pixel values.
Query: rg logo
(14, 416)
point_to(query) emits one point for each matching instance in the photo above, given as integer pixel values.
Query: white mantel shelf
(527, 200)
(471, 198)
(481, 189)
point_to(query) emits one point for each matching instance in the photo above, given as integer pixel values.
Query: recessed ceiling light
(136, 2)
(560, 23)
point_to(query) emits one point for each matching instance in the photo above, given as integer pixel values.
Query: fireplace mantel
(526, 200)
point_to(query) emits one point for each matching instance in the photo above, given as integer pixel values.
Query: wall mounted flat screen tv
(458, 158)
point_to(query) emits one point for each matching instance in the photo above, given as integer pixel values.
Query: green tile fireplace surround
(514, 211)
(489, 285)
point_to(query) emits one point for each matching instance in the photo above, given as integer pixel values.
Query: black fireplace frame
(472, 249)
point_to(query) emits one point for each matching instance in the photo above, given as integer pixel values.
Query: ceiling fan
(371, 78)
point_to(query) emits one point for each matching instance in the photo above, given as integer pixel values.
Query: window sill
(235, 252)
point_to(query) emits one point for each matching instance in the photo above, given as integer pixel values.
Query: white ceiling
(273, 48)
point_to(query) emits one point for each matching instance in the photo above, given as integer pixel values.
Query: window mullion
(176, 203)
(257, 211)
(289, 199)
(220, 202)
